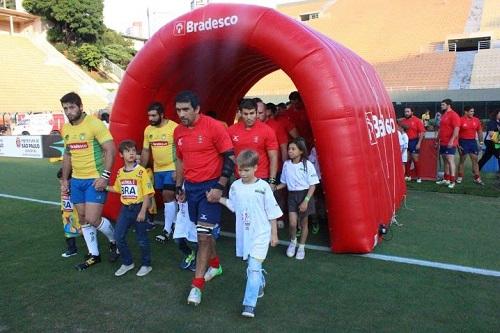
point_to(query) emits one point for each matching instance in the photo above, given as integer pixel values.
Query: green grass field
(41, 292)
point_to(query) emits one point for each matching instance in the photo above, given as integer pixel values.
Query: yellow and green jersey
(133, 185)
(160, 140)
(83, 142)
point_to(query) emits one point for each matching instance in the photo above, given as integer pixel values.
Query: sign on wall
(21, 146)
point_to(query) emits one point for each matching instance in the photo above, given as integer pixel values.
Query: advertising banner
(21, 146)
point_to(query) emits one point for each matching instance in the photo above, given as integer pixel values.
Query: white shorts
(184, 228)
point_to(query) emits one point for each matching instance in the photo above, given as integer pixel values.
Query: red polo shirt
(469, 127)
(415, 127)
(449, 121)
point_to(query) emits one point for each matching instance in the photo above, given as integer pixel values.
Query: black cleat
(87, 263)
(113, 252)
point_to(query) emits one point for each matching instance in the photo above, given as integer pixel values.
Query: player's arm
(179, 180)
(480, 135)
(273, 167)
(305, 203)
(453, 136)
(227, 170)
(421, 135)
(274, 233)
(66, 171)
(227, 202)
(145, 157)
(109, 151)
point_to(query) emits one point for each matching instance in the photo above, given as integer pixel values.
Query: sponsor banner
(52, 146)
(21, 146)
(181, 28)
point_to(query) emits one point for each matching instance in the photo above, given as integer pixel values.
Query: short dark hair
(71, 97)
(247, 103)
(105, 117)
(156, 106)
(272, 107)
(294, 95)
(187, 96)
(126, 145)
(247, 158)
(412, 109)
(467, 108)
(257, 100)
(447, 101)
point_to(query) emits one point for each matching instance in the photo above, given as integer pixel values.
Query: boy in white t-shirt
(403, 143)
(256, 209)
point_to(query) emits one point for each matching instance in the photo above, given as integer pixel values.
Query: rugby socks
(214, 262)
(446, 176)
(90, 235)
(198, 283)
(451, 179)
(170, 211)
(107, 229)
(302, 246)
(460, 174)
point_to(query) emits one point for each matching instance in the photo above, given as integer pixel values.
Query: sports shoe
(187, 260)
(69, 253)
(113, 252)
(248, 311)
(443, 182)
(419, 180)
(315, 228)
(290, 251)
(213, 272)
(192, 266)
(144, 270)
(163, 238)
(408, 179)
(194, 296)
(92, 260)
(459, 180)
(478, 181)
(451, 185)
(301, 253)
(124, 269)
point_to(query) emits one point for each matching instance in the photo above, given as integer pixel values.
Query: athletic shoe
(443, 182)
(459, 180)
(248, 311)
(408, 179)
(187, 260)
(419, 180)
(69, 253)
(290, 251)
(163, 238)
(113, 252)
(144, 270)
(301, 253)
(192, 266)
(315, 228)
(213, 272)
(194, 296)
(451, 185)
(89, 262)
(478, 181)
(124, 269)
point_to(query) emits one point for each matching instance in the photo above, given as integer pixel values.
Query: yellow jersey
(83, 142)
(133, 185)
(160, 140)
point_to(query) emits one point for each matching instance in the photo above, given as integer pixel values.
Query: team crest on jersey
(179, 142)
(256, 139)
(66, 137)
(200, 139)
(82, 136)
(236, 138)
(164, 137)
(150, 136)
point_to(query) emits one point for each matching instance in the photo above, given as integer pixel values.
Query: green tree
(75, 21)
(89, 56)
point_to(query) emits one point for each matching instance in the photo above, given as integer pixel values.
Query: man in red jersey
(255, 135)
(415, 131)
(205, 161)
(266, 113)
(297, 114)
(470, 126)
(282, 117)
(448, 142)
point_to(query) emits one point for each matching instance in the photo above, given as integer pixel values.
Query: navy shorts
(200, 210)
(82, 191)
(469, 146)
(164, 180)
(444, 150)
(412, 146)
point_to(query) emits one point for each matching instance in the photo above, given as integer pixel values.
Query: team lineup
(193, 165)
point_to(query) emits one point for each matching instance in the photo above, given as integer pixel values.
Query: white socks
(90, 235)
(107, 229)
(170, 211)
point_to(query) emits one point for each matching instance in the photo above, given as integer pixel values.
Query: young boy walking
(256, 209)
(136, 191)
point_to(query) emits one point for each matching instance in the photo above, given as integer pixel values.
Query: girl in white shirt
(300, 178)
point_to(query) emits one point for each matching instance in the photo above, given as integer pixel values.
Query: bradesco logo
(182, 28)
(378, 127)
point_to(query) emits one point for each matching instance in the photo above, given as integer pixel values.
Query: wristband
(218, 186)
(307, 198)
(272, 181)
(106, 174)
(178, 190)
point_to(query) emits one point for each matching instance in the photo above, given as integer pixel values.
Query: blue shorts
(82, 191)
(444, 150)
(200, 210)
(164, 180)
(412, 146)
(469, 146)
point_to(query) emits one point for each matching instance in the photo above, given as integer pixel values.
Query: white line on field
(402, 260)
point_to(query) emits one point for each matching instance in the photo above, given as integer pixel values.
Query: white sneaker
(194, 296)
(419, 180)
(144, 270)
(408, 179)
(124, 269)
(459, 180)
(212, 272)
(478, 181)
(301, 253)
(443, 182)
(290, 251)
(451, 185)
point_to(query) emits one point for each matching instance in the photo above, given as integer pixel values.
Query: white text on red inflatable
(379, 127)
(185, 27)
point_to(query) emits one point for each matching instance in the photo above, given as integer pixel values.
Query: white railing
(112, 69)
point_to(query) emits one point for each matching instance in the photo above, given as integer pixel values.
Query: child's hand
(274, 240)
(141, 217)
(303, 206)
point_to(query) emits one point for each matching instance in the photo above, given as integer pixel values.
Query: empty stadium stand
(486, 73)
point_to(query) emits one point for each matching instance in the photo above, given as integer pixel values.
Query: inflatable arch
(221, 50)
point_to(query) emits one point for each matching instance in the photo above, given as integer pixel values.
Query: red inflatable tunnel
(221, 50)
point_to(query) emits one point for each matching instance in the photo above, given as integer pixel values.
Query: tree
(89, 56)
(75, 21)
